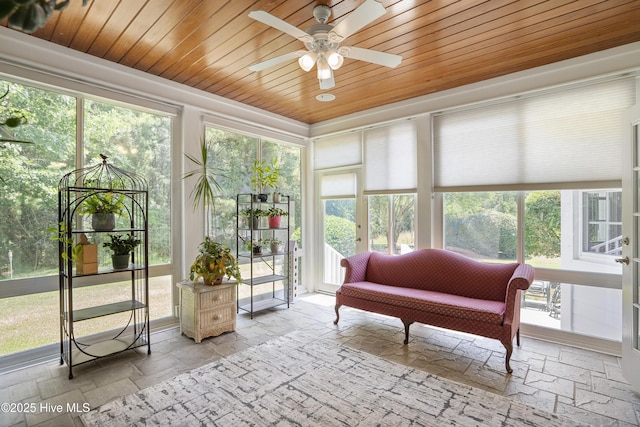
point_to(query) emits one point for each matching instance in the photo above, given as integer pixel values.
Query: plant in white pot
(253, 217)
(121, 246)
(275, 244)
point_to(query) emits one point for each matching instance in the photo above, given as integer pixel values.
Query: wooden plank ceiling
(208, 44)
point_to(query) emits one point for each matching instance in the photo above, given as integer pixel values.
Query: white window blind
(390, 158)
(339, 185)
(340, 150)
(562, 140)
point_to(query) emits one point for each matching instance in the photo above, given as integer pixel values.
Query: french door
(631, 252)
(339, 230)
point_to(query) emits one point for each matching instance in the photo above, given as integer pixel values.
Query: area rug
(298, 381)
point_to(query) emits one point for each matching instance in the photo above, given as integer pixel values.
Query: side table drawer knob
(216, 317)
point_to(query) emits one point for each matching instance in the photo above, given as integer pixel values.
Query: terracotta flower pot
(274, 221)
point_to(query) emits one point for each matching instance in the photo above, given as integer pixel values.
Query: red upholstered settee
(439, 288)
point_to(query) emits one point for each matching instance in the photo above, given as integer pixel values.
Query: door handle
(624, 260)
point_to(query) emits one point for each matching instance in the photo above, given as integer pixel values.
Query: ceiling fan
(323, 41)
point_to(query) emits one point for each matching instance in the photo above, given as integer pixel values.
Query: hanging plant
(29, 15)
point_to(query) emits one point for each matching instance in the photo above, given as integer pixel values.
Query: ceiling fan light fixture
(324, 71)
(307, 61)
(334, 59)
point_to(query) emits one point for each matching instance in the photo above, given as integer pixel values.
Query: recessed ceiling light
(325, 97)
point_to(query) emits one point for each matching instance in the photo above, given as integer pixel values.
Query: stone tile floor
(583, 385)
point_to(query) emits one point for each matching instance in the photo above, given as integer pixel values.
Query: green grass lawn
(32, 321)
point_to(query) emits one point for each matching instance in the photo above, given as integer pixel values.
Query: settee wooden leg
(518, 337)
(406, 330)
(509, 348)
(335, 322)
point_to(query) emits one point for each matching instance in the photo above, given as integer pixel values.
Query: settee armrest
(356, 266)
(520, 281)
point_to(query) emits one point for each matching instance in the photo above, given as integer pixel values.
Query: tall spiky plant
(204, 191)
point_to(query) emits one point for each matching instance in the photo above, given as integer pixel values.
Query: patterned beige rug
(296, 381)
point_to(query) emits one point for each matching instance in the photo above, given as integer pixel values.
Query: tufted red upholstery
(440, 288)
(441, 271)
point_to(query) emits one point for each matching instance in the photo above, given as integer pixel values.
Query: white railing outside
(333, 272)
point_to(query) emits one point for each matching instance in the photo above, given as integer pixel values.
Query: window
(482, 226)
(602, 222)
(235, 154)
(392, 223)
(29, 178)
(485, 226)
(528, 178)
(134, 138)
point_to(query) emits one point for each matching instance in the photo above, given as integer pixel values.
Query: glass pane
(392, 218)
(339, 237)
(139, 142)
(603, 222)
(379, 214)
(234, 155)
(29, 176)
(584, 310)
(289, 183)
(482, 226)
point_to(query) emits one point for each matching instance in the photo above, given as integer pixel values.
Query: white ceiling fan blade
(279, 24)
(277, 60)
(373, 56)
(327, 83)
(366, 13)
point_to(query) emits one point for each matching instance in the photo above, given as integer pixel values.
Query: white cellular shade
(390, 158)
(340, 150)
(564, 139)
(338, 185)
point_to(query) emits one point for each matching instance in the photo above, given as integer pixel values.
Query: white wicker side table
(207, 311)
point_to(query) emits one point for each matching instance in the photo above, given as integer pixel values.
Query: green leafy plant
(122, 245)
(104, 202)
(275, 211)
(265, 175)
(60, 233)
(13, 119)
(207, 184)
(213, 261)
(271, 240)
(254, 246)
(255, 212)
(29, 15)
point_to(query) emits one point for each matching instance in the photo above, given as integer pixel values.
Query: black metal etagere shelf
(266, 267)
(75, 189)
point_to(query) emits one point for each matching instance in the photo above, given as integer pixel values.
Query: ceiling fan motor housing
(322, 12)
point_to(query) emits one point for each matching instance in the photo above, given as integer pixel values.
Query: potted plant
(274, 243)
(275, 215)
(254, 247)
(103, 207)
(253, 217)
(213, 263)
(121, 246)
(264, 175)
(276, 196)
